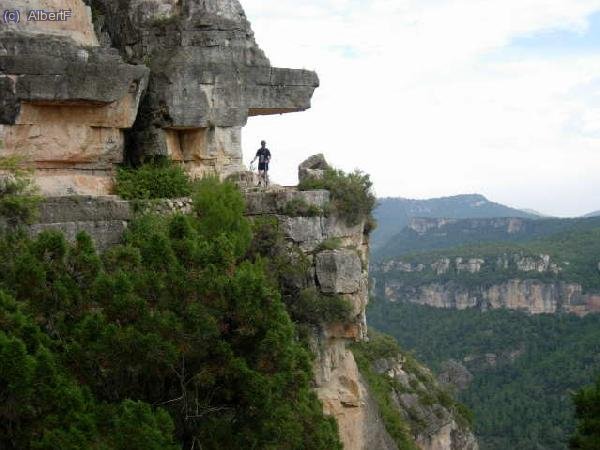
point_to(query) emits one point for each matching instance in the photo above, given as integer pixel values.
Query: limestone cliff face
(64, 101)
(531, 283)
(339, 384)
(532, 296)
(184, 75)
(343, 271)
(207, 77)
(178, 78)
(434, 426)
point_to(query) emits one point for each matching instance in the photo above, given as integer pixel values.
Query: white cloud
(420, 94)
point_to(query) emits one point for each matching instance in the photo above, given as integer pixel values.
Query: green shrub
(220, 209)
(382, 388)
(313, 308)
(154, 180)
(19, 197)
(352, 196)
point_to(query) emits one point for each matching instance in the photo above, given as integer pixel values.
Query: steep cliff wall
(194, 74)
(532, 296)
(207, 77)
(341, 271)
(515, 281)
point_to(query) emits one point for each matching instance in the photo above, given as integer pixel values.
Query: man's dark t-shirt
(264, 156)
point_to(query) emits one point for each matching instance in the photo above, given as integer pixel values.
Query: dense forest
(479, 231)
(177, 338)
(525, 367)
(587, 413)
(576, 251)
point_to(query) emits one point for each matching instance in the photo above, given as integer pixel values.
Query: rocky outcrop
(508, 225)
(455, 374)
(532, 296)
(342, 271)
(434, 425)
(208, 76)
(65, 101)
(314, 167)
(188, 76)
(509, 263)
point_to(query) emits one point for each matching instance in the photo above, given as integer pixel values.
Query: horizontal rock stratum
(132, 80)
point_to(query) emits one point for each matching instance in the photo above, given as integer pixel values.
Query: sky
(442, 97)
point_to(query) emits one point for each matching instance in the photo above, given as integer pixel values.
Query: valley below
(502, 309)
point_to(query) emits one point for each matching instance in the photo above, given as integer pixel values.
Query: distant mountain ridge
(394, 213)
(426, 234)
(593, 214)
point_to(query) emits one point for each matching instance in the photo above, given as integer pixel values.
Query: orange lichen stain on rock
(352, 331)
(65, 182)
(119, 114)
(64, 143)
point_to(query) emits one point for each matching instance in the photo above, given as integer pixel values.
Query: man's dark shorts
(263, 166)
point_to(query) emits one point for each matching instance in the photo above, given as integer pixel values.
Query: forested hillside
(524, 367)
(393, 214)
(451, 233)
(575, 251)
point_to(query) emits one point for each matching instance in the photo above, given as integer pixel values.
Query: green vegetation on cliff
(576, 251)
(351, 194)
(524, 366)
(479, 231)
(160, 178)
(383, 387)
(18, 194)
(404, 422)
(393, 214)
(174, 339)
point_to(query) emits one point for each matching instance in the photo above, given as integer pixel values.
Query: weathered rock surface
(532, 296)
(338, 271)
(314, 167)
(275, 202)
(208, 76)
(105, 219)
(434, 426)
(346, 396)
(77, 28)
(455, 374)
(505, 262)
(343, 272)
(65, 101)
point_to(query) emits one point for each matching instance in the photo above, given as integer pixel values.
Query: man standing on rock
(264, 157)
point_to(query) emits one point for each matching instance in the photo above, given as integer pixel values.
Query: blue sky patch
(561, 40)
